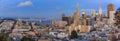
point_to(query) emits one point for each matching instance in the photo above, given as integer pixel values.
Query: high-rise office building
(77, 11)
(67, 19)
(93, 13)
(83, 14)
(76, 15)
(83, 21)
(93, 17)
(88, 21)
(111, 18)
(100, 11)
(110, 8)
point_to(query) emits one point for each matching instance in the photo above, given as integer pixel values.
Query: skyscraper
(67, 19)
(93, 16)
(110, 8)
(93, 13)
(83, 14)
(100, 10)
(77, 10)
(76, 15)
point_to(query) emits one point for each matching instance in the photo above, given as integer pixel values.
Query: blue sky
(50, 8)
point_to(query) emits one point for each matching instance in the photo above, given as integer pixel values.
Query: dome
(83, 12)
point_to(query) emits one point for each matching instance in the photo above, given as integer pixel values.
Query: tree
(117, 17)
(5, 37)
(26, 39)
(1, 36)
(73, 35)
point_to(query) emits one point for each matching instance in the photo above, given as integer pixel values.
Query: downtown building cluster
(94, 27)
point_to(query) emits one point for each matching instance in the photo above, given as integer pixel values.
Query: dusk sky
(50, 8)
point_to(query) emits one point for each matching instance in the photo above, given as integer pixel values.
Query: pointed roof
(77, 9)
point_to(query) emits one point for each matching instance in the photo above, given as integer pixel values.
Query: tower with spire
(76, 15)
(77, 10)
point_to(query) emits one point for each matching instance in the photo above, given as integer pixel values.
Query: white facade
(59, 23)
(100, 10)
(62, 35)
(93, 13)
(111, 17)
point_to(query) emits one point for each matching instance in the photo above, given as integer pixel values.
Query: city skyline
(51, 9)
(59, 20)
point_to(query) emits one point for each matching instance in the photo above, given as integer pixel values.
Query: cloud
(26, 3)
